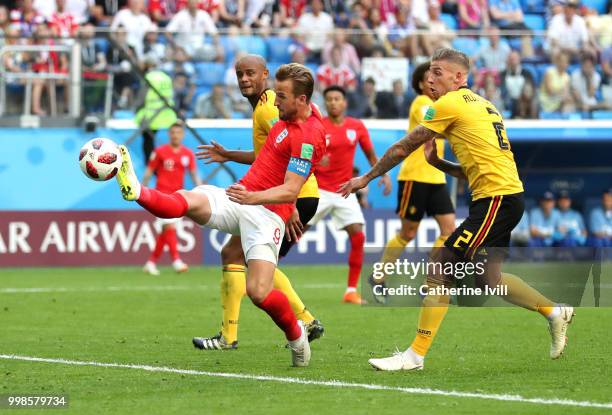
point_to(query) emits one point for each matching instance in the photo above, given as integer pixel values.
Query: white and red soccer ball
(100, 159)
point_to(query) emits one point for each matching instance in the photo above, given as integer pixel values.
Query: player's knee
(257, 291)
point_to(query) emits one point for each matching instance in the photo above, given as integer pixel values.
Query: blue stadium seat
(468, 46)
(210, 73)
(313, 68)
(534, 6)
(230, 47)
(515, 43)
(551, 115)
(273, 67)
(124, 114)
(599, 5)
(278, 49)
(602, 115)
(532, 69)
(535, 21)
(450, 21)
(252, 44)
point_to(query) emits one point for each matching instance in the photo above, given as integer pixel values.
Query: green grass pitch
(118, 315)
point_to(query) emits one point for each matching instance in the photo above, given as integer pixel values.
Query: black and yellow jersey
(265, 115)
(415, 167)
(475, 130)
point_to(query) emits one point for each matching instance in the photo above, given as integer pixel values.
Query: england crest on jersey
(282, 136)
(351, 135)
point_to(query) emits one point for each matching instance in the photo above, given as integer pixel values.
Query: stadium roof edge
(123, 124)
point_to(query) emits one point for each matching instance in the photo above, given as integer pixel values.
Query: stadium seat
(602, 115)
(313, 68)
(273, 67)
(450, 21)
(278, 49)
(534, 6)
(599, 5)
(551, 115)
(532, 69)
(210, 73)
(124, 114)
(468, 46)
(230, 47)
(252, 44)
(535, 21)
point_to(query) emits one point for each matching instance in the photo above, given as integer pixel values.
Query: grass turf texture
(490, 350)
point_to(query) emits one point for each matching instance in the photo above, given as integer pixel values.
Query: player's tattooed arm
(392, 157)
(448, 167)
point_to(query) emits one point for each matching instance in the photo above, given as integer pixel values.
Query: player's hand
(431, 152)
(212, 153)
(385, 181)
(353, 185)
(294, 227)
(239, 194)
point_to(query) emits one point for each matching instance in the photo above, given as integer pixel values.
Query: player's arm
(298, 171)
(392, 157)
(216, 153)
(385, 180)
(448, 167)
(196, 179)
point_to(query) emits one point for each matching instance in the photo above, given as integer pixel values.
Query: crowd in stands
(554, 223)
(532, 58)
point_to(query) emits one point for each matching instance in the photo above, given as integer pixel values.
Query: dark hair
(300, 76)
(418, 76)
(178, 124)
(336, 88)
(452, 55)
(370, 80)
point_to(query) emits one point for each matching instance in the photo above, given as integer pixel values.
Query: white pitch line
(330, 383)
(36, 290)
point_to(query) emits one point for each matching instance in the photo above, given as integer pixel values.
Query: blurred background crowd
(532, 58)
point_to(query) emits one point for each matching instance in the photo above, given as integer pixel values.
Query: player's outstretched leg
(260, 290)
(559, 316)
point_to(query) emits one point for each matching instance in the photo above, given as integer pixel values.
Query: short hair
(370, 80)
(418, 76)
(300, 76)
(333, 88)
(452, 55)
(178, 124)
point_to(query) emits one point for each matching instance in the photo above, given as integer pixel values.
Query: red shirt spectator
(336, 72)
(290, 11)
(63, 24)
(208, 6)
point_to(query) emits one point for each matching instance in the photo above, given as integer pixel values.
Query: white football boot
(557, 326)
(406, 360)
(150, 268)
(179, 266)
(300, 348)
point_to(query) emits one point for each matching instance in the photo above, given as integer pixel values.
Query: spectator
(363, 104)
(214, 105)
(491, 92)
(567, 31)
(402, 34)
(473, 14)
(152, 48)
(555, 91)
(180, 64)
(585, 84)
(527, 106)
(339, 10)
(258, 13)
(231, 12)
(103, 11)
(298, 55)
(92, 55)
(358, 23)
(606, 69)
(569, 230)
(44, 8)
(193, 42)
(63, 23)
(520, 233)
(600, 27)
(121, 67)
(387, 9)
(13, 62)
(80, 9)
(4, 24)
(493, 54)
(160, 12)
(26, 18)
(336, 73)
(47, 62)
(513, 81)
(184, 88)
(600, 222)
(380, 29)
(209, 6)
(439, 35)
(348, 52)
(135, 22)
(507, 14)
(315, 25)
(393, 104)
(543, 221)
(290, 11)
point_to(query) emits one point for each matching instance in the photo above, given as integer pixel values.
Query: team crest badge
(351, 135)
(412, 210)
(282, 136)
(185, 161)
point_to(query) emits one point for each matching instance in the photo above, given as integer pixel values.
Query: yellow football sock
(523, 295)
(439, 243)
(233, 288)
(433, 310)
(394, 248)
(282, 283)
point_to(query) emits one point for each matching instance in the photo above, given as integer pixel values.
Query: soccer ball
(100, 159)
